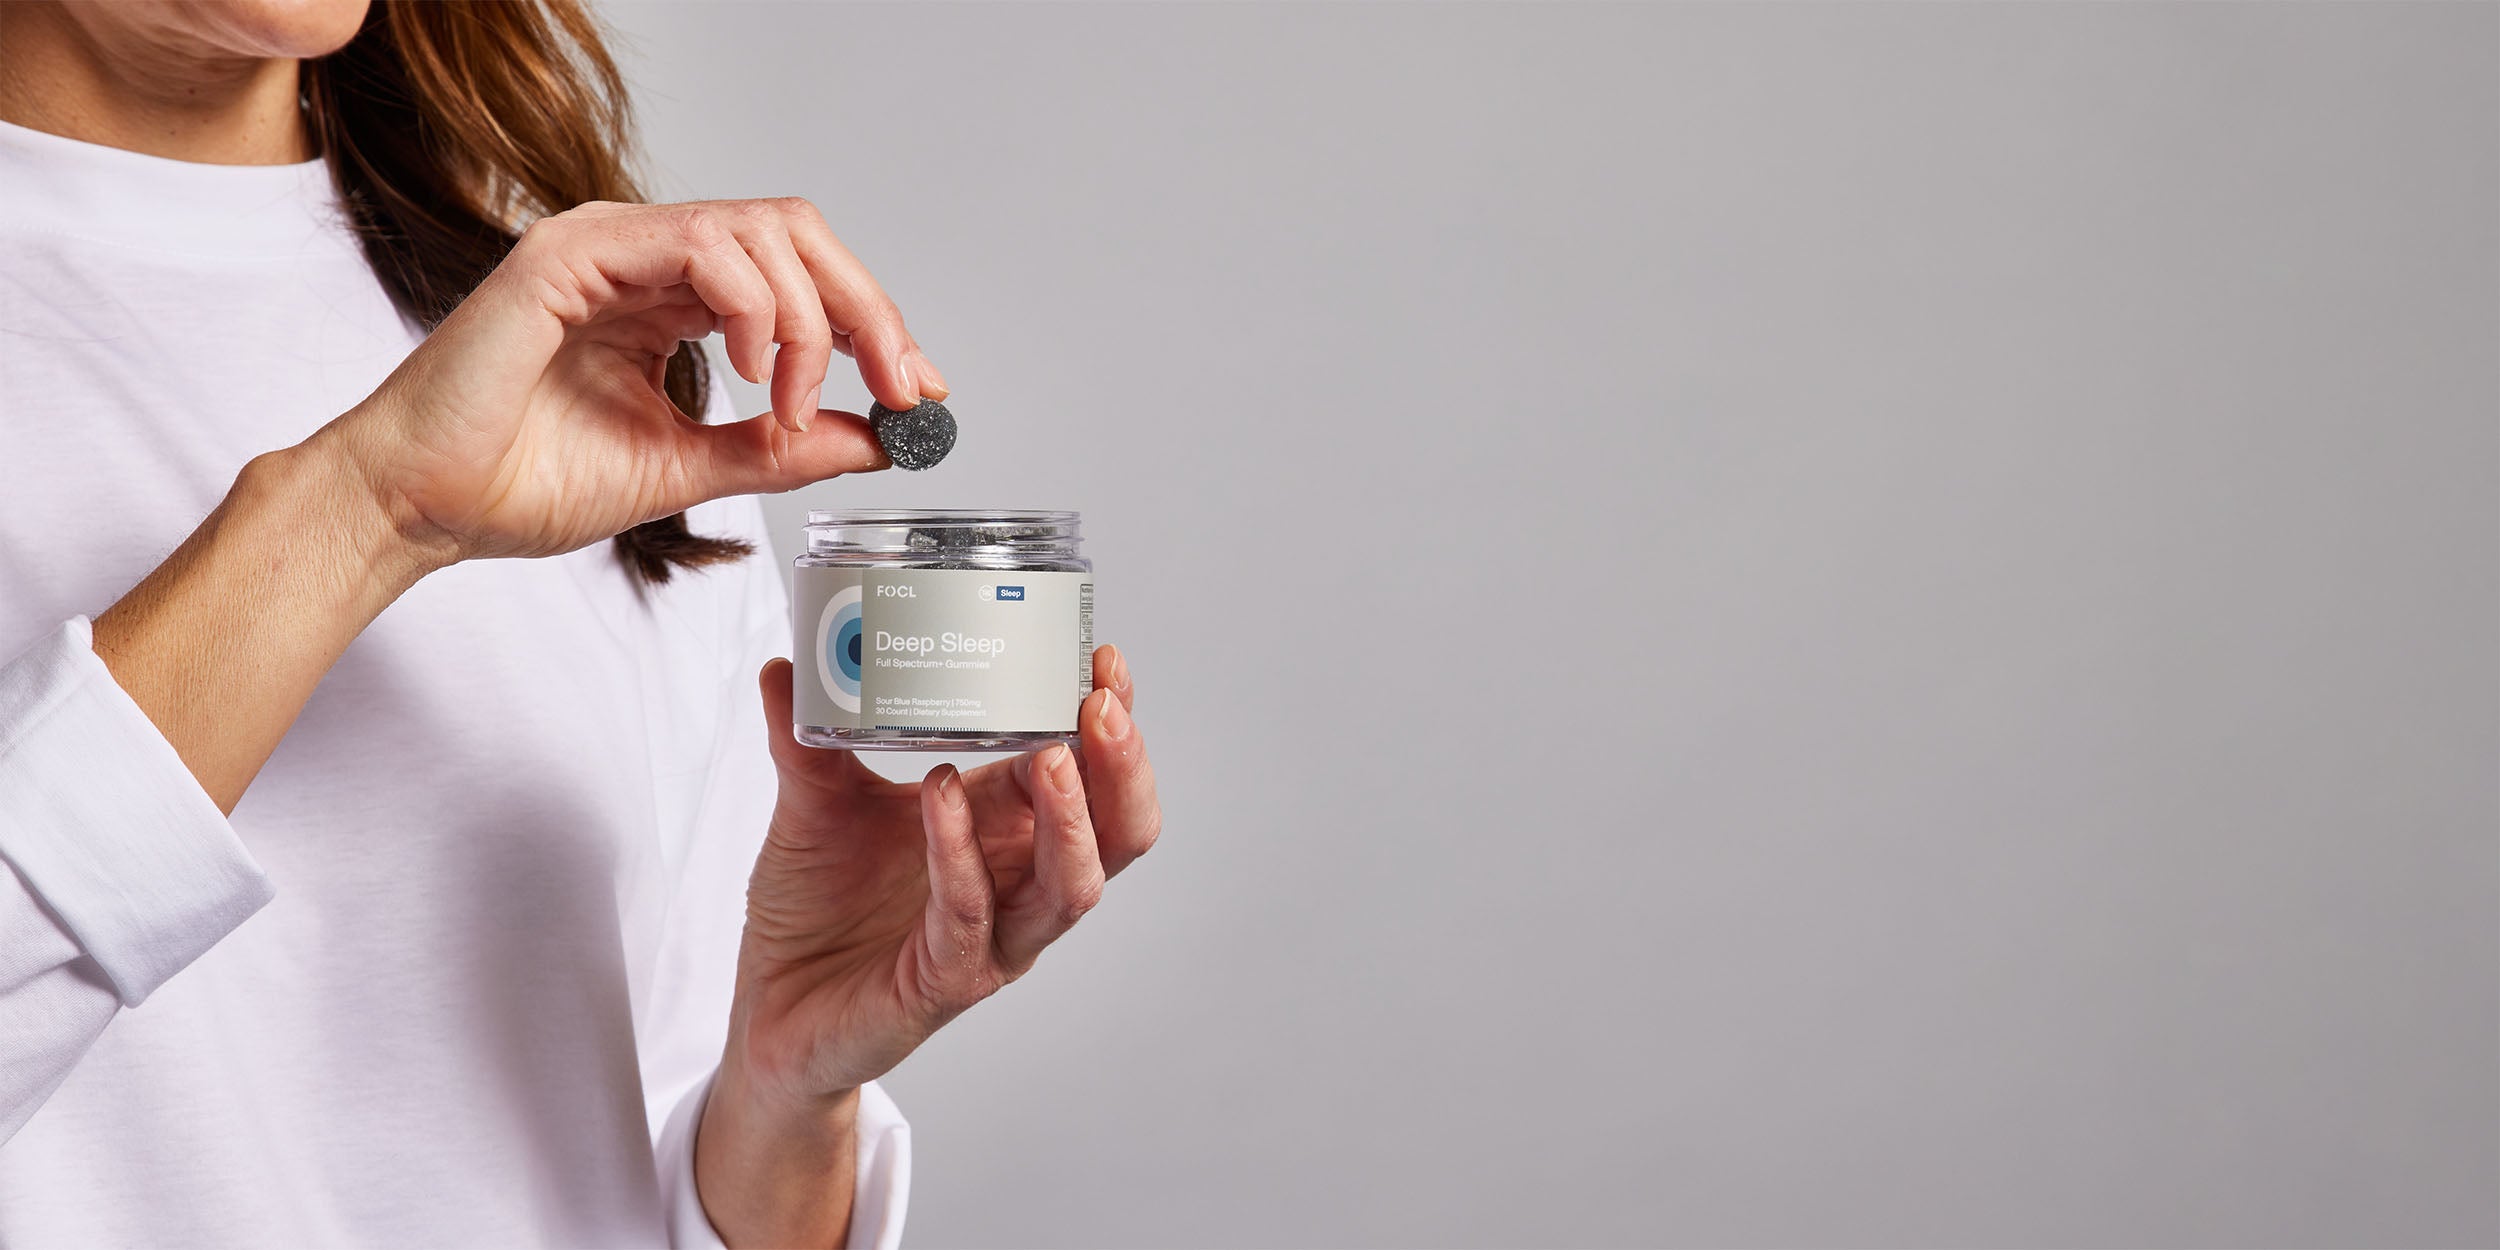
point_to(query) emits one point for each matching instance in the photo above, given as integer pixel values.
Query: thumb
(816, 768)
(759, 457)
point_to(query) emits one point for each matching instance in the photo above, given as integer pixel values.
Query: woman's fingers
(758, 456)
(755, 264)
(1002, 809)
(583, 261)
(719, 270)
(955, 926)
(1111, 672)
(799, 325)
(932, 382)
(1067, 869)
(1119, 783)
(857, 307)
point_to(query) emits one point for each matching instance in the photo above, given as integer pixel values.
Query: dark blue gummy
(915, 438)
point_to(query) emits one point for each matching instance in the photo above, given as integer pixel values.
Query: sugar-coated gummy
(971, 546)
(915, 438)
(945, 537)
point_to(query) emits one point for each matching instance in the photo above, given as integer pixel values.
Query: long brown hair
(447, 124)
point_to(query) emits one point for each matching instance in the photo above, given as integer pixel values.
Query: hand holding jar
(880, 910)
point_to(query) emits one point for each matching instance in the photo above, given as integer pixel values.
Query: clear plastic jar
(941, 630)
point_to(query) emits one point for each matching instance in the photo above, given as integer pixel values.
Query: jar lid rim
(938, 516)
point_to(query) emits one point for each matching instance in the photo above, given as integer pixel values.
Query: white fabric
(458, 969)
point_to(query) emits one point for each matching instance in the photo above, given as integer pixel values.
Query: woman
(426, 865)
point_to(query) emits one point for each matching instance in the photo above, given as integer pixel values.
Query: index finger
(857, 308)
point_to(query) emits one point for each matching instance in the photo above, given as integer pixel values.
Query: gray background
(1763, 625)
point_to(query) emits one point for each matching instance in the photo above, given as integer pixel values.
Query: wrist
(772, 1170)
(773, 1109)
(223, 642)
(377, 538)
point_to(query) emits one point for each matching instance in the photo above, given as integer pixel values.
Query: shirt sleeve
(879, 1189)
(120, 870)
(687, 1017)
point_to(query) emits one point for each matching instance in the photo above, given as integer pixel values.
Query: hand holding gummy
(555, 360)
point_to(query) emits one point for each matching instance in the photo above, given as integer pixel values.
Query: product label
(1004, 651)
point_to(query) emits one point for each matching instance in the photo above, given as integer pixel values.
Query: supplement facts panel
(1085, 638)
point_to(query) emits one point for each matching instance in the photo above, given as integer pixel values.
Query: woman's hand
(879, 911)
(532, 420)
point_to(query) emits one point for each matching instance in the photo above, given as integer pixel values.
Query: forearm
(776, 1175)
(222, 644)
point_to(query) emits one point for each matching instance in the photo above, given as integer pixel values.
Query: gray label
(993, 650)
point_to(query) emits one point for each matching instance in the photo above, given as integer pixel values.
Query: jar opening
(965, 531)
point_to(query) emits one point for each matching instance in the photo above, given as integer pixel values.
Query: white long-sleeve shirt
(458, 968)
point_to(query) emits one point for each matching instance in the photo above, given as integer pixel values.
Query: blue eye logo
(838, 649)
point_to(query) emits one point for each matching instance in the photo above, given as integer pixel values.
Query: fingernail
(1061, 766)
(807, 407)
(932, 381)
(1114, 716)
(911, 385)
(950, 786)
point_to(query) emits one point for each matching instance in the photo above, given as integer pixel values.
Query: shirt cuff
(106, 824)
(879, 1192)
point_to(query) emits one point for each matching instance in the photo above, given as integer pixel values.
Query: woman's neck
(159, 95)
